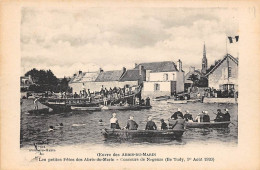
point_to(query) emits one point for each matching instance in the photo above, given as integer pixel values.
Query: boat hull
(125, 107)
(132, 134)
(85, 108)
(207, 124)
(178, 102)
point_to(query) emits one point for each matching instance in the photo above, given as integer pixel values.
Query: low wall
(219, 100)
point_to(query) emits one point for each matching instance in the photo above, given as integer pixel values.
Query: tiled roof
(164, 66)
(109, 76)
(86, 76)
(218, 64)
(131, 75)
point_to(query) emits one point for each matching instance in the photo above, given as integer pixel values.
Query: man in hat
(150, 125)
(226, 116)
(174, 116)
(219, 117)
(131, 124)
(114, 122)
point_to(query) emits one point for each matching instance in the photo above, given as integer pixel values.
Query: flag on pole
(231, 39)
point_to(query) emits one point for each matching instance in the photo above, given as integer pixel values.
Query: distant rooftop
(109, 76)
(131, 75)
(164, 66)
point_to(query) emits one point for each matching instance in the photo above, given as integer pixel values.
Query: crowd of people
(176, 121)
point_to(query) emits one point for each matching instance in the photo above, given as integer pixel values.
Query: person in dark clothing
(226, 116)
(131, 124)
(187, 116)
(163, 125)
(219, 117)
(206, 117)
(150, 125)
(178, 124)
(174, 116)
(147, 101)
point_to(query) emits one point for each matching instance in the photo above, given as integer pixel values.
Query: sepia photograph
(160, 76)
(129, 85)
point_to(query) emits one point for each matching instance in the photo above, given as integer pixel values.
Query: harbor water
(83, 127)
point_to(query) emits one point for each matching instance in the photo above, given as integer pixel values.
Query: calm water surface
(84, 127)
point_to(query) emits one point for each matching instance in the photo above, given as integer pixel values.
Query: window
(229, 72)
(156, 87)
(165, 77)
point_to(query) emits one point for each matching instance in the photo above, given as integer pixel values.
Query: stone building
(224, 75)
(162, 78)
(108, 79)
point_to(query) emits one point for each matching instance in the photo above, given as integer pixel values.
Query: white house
(162, 78)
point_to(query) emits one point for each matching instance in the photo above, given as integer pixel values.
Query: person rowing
(219, 117)
(114, 122)
(188, 117)
(174, 116)
(150, 125)
(226, 116)
(131, 124)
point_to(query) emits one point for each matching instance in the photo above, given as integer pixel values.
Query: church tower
(204, 61)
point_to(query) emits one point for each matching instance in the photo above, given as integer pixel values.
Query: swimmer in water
(51, 128)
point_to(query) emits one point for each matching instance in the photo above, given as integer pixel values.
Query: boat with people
(97, 101)
(115, 107)
(211, 124)
(130, 134)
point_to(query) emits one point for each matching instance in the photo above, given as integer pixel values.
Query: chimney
(124, 69)
(140, 69)
(180, 65)
(136, 65)
(80, 72)
(101, 70)
(192, 69)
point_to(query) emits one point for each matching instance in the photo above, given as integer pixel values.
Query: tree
(193, 78)
(45, 80)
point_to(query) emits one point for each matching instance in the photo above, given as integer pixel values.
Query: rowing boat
(129, 107)
(161, 98)
(130, 134)
(85, 108)
(177, 101)
(207, 124)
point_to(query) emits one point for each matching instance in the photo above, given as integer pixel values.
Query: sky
(67, 41)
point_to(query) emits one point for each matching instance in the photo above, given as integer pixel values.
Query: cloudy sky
(66, 41)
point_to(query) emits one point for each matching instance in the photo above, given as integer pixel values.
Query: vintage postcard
(149, 85)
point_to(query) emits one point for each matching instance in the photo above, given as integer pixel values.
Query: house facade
(224, 75)
(162, 78)
(106, 79)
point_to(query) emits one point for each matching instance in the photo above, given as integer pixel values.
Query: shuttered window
(156, 87)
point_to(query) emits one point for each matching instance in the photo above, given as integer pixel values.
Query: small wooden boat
(161, 98)
(85, 108)
(131, 134)
(177, 101)
(39, 111)
(193, 100)
(129, 107)
(207, 124)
